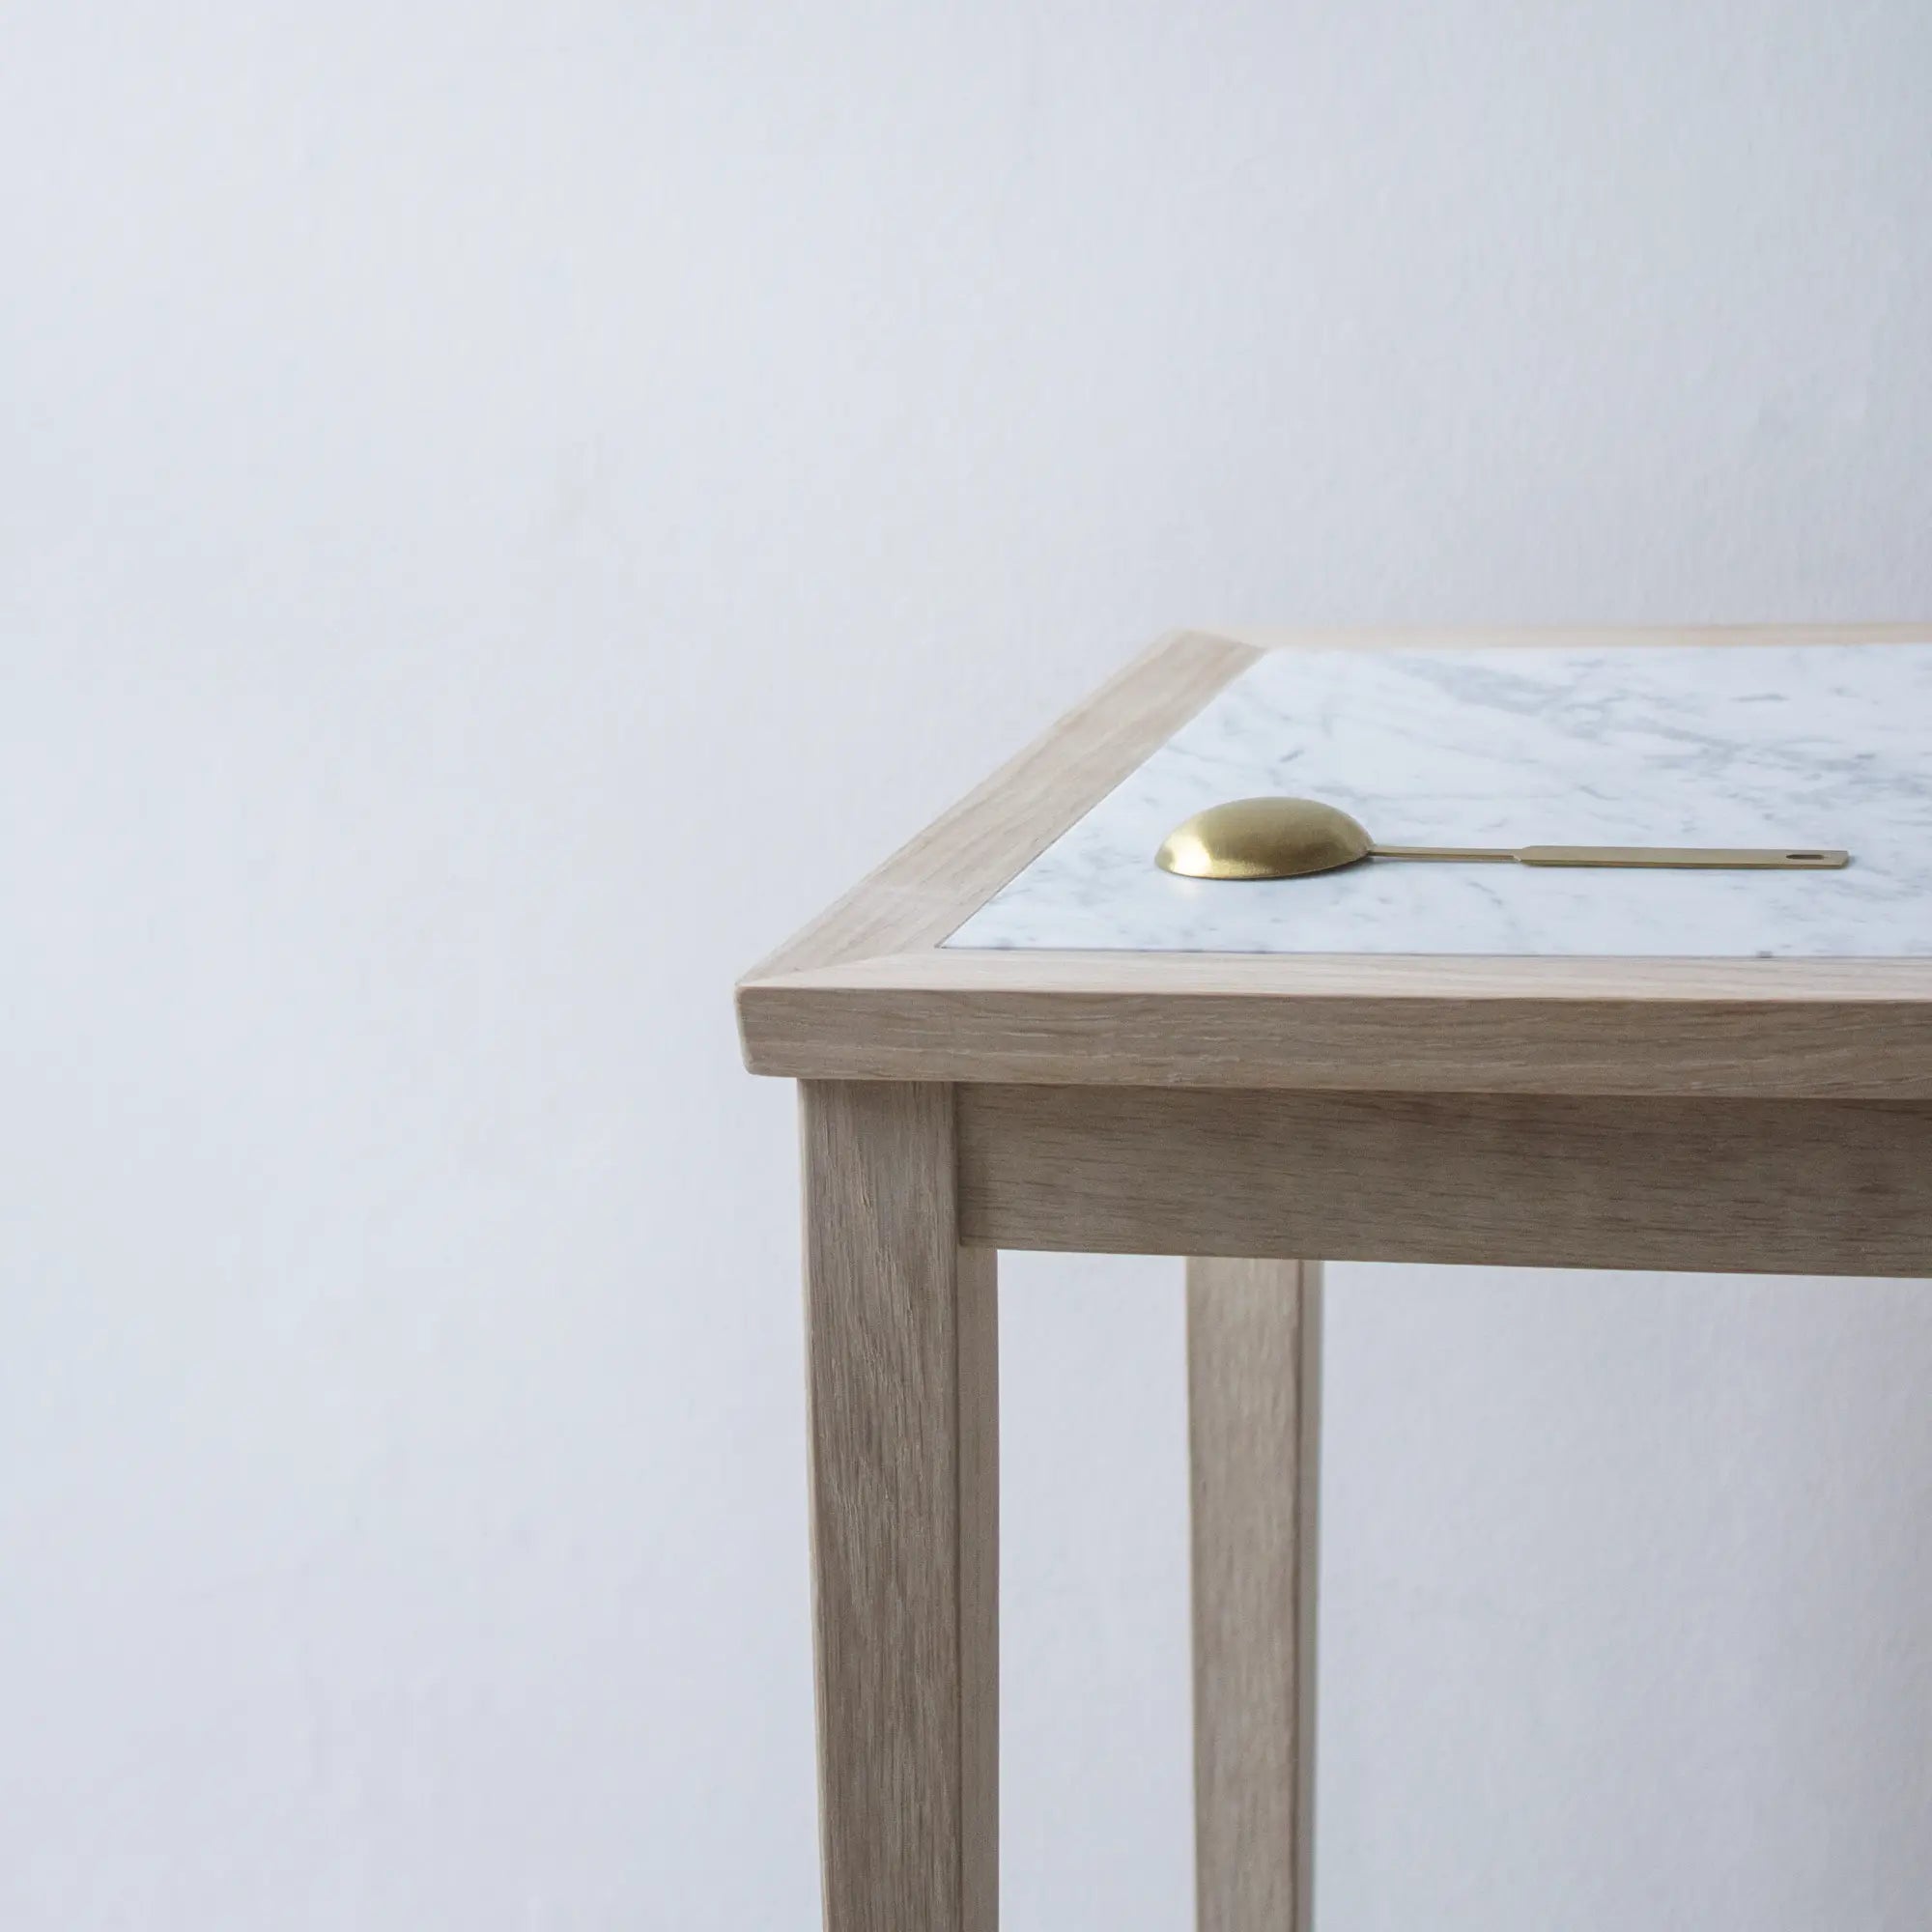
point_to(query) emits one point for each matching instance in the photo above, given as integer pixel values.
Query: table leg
(901, 1351)
(1254, 1380)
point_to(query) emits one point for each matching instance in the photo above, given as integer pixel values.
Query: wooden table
(1018, 1034)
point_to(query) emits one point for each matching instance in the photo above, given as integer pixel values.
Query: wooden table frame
(1248, 1112)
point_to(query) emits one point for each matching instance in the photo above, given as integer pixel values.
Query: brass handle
(1703, 858)
(1708, 858)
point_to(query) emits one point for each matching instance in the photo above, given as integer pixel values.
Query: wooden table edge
(867, 990)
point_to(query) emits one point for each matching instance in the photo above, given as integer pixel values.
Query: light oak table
(1019, 1034)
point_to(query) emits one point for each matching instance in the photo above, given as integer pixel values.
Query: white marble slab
(1704, 745)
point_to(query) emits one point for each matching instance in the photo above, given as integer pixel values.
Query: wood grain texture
(1254, 1374)
(1853, 1029)
(929, 888)
(903, 1380)
(1754, 1186)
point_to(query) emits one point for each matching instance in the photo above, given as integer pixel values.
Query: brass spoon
(1289, 838)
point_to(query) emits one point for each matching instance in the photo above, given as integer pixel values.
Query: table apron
(1700, 1186)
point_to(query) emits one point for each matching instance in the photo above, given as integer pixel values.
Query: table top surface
(1027, 936)
(1707, 744)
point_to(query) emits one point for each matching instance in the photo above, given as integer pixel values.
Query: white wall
(505, 508)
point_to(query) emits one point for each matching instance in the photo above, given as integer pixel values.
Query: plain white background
(503, 510)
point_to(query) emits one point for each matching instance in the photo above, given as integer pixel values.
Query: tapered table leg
(1254, 1377)
(903, 1369)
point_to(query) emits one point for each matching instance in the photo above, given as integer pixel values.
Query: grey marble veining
(1704, 745)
